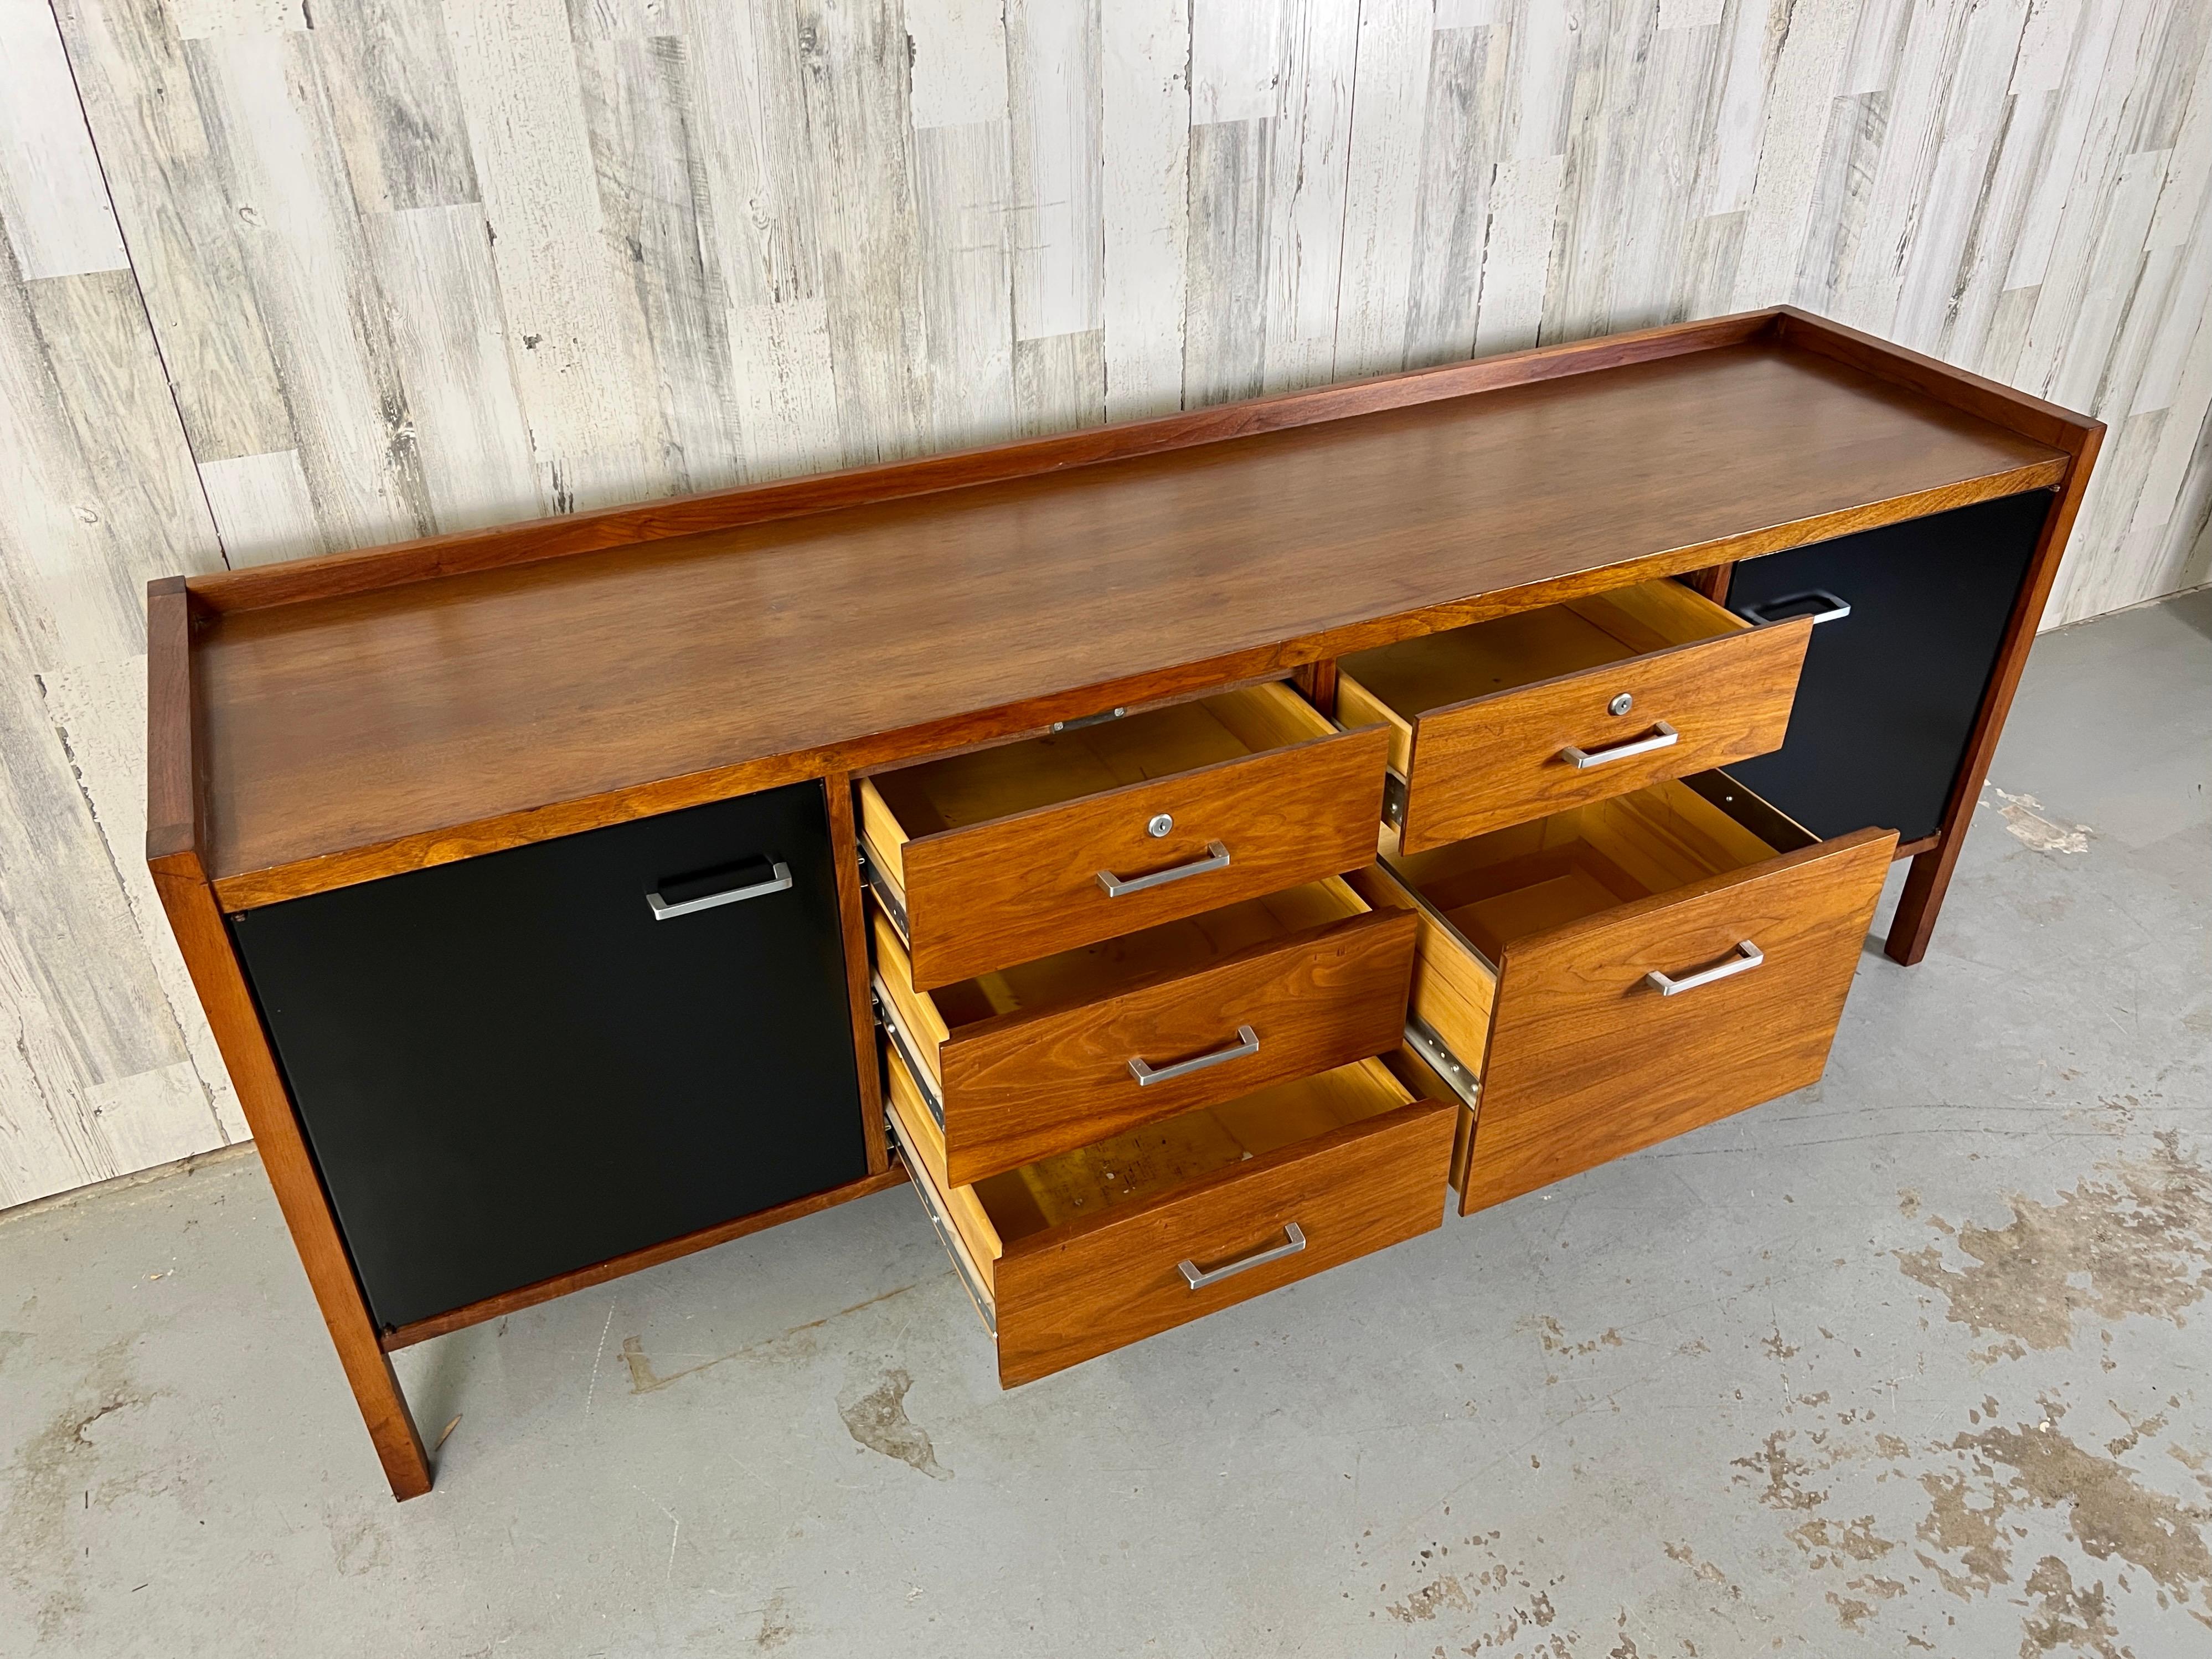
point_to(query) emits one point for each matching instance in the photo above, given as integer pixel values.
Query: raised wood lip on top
(272, 873)
(292, 581)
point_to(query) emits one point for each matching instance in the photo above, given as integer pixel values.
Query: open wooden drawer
(1006, 854)
(1075, 1256)
(1619, 973)
(1505, 721)
(1022, 1062)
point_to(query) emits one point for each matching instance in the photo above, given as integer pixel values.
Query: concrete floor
(1914, 1360)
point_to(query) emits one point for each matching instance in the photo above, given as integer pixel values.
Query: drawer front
(1024, 886)
(1588, 1061)
(1075, 1293)
(1024, 1086)
(1511, 756)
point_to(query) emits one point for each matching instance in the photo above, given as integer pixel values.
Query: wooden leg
(1925, 884)
(1910, 928)
(205, 943)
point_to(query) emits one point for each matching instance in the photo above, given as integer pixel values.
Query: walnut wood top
(347, 735)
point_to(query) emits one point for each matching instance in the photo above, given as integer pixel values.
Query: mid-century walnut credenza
(1178, 848)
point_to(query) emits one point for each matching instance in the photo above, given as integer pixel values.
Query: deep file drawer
(522, 1064)
(1626, 971)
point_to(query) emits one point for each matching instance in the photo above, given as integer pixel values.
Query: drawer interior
(1142, 1162)
(1393, 684)
(960, 791)
(1531, 877)
(1096, 972)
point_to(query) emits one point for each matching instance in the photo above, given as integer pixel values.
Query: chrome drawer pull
(1294, 1240)
(1247, 1043)
(1217, 858)
(1663, 736)
(1834, 608)
(1748, 956)
(778, 879)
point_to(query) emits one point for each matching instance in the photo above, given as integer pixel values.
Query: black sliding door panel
(520, 1063)
(1888, 695)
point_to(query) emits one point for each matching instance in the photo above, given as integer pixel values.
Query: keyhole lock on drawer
(1620, 705)
(1161, 822)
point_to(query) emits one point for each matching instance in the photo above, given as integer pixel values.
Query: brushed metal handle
(1247, 1044)
(1217, 858)
(1663, 736)
(1747, 957)
(1294, 1240)
(1835, 609)
(778, 879)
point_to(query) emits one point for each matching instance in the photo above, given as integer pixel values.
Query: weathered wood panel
(417, 265)
(736, 241)
(106, 1064)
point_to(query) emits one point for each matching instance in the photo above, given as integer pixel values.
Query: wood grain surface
(1025, 886)
(1071, 1293)
(1587, 1062)
(254, 587)
(1023, 1085)
(1496, 760)
(749, 656)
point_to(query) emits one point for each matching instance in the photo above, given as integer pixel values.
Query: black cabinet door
(516, 1065)
(1889, 696)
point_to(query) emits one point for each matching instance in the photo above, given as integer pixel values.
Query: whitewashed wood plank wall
(282, 278)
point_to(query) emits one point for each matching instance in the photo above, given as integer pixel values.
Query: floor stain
(1554, 1339)
(50, 1468)
(1500, 1606)
(2110, 1511)
(2137, 1429)
(643, 1379)
(878, 1420)
(1984, 1486)
(1830, 1544)
(2025, 822)
(1850, 1611)
(2134, 1236)
(2077, 1620)
(1785, 1487)
(1706, 1570)
(1976, 1535)
(1423, 1603)
(778, 1625)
